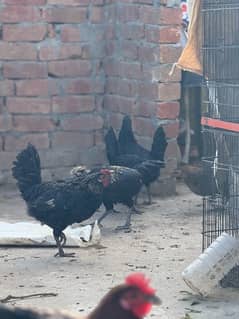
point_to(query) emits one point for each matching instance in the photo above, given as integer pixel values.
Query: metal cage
(220, 121)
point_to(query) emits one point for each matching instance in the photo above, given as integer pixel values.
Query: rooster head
(105, 177)
(140, 296)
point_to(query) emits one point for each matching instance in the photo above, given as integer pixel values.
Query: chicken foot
(127, 225)
(106, 213)
(136, 210)
(149, 202)
(60, 242)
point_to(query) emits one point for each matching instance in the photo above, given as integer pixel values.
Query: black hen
(124, 186)
(129, 145)
(60, 203)
(148, 168)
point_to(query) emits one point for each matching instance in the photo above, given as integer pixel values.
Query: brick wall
(140, 55)
(52, 82)
(70, 68)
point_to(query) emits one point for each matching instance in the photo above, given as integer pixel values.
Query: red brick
(98, 2)
(97, 15)
(149, 15)
(172, 150)
(70, 68)
(171, 130)
(170, 16)
(115, 120)
(14, 14)
(143, 126)
(83, 123)
(130, 70)
(41, 87)
(63, 157)
(66, 51)
(28, 105)
(145, 1)
(169, 53)
(111, 67)
(111, 48)
(149, 91)
(6, 159)
(129, 50)
(73, 104)
(119, 104)
(132, 32)
(51, 31)
(145, 108)
(32, 123)
(169, 35)
(25, 2)
(34, 32)
(111, 103)
(163, 35)
(72, 140)
(69, 2)
(84, 86)
(168, 110)
(148, 54)
(17, 51)
(128, 13)
(12, 143)
(169, 91)
(31, 70)
(161, 73)
(6, 88)
(122, 87)
(66, 15)
(70, 34)
(99, 138)
(5, 123)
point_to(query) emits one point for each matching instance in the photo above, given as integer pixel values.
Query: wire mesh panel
(220, 40)
(221, 132)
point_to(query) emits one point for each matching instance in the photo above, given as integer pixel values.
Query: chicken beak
(153, 299)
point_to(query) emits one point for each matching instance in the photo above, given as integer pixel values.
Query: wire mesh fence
(221, 133)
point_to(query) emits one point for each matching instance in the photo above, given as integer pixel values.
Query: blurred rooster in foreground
(61, 203)
(125, 184)
(127, 152)
(131, 300)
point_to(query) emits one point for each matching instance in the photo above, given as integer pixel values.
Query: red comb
(139, 280)
(105, 171)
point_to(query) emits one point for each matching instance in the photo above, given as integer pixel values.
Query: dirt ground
(164, 240)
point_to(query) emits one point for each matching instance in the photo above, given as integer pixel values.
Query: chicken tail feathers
(159, 145)
(27, 169)
(111, 143)
(126, 135)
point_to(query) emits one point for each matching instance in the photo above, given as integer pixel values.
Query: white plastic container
(212, 265)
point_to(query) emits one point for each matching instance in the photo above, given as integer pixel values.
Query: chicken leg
(60, 242)
(127, 225)
(106, 213)
(149, 202)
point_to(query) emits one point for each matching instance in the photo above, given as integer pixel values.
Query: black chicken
(60, 203)
(129, 145)
(148, 168)
(131, 300)
(124, 186)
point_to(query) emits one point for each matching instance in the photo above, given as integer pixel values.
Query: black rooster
(125, 184)
(59, 203)
(144, 163)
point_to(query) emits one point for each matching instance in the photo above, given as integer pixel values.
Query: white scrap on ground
(34, 234)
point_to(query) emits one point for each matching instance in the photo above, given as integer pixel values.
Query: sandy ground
(164, 240)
